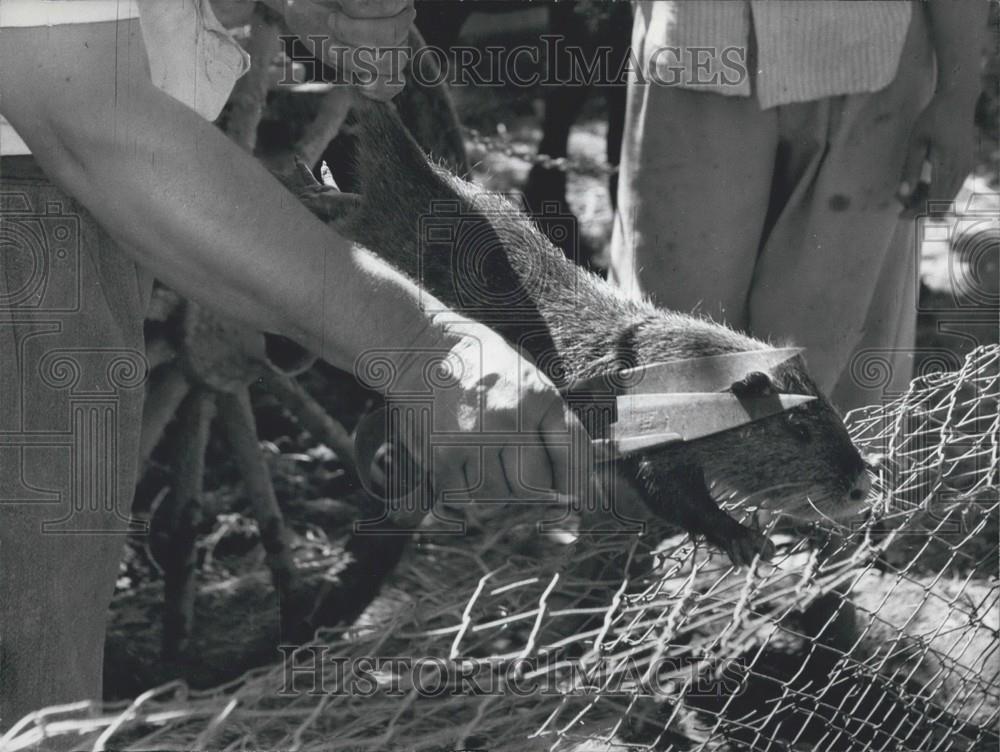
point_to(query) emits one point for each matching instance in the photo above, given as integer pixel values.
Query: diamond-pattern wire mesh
(883, 636)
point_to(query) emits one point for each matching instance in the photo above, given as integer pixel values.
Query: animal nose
(873, 461)
(861, 488)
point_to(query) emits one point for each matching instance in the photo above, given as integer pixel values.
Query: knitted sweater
(804, 49)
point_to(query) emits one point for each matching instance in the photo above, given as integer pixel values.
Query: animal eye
(754, 384)
(800, 431)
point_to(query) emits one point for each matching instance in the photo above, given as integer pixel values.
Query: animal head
(800, 462)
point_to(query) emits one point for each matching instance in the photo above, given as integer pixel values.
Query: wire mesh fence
(880, 636)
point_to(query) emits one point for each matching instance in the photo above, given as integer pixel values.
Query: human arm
(210, 221)
(173, 191)
(943, 135)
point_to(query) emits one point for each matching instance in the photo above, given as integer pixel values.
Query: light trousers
(72, 376)
(781, 222)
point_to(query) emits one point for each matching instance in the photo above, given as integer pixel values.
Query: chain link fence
(881, 636)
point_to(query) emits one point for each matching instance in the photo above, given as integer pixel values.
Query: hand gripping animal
(700, 414)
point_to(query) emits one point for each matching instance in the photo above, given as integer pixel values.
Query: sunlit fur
(801, 462)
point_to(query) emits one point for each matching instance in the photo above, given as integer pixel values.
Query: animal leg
(329, 204)
(176, 523)
(698, 513)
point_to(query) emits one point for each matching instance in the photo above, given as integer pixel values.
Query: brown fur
(502, 270)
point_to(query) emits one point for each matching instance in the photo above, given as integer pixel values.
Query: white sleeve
(191, 55)
(59, 12)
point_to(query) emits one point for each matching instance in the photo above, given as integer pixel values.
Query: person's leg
(71, 387)
(881, 365)
(819, 270)
(693, 192)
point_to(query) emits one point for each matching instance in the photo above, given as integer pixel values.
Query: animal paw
(742, 544)
(329, 204)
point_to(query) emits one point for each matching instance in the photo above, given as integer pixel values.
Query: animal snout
(861, 488)
(873, 461)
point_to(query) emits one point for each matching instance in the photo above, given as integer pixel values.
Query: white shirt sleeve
(58, 12)
(191, 55)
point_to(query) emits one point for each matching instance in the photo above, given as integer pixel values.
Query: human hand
(363, 39)
(940, 154)
(499, 428)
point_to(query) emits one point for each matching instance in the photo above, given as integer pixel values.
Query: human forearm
(940, 154)
(958, 29)
(208, 219)
(200, 213)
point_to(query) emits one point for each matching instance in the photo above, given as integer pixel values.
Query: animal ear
(296, 177)
(324, 200)
(754, 384)
(304, 172)
(330, 205)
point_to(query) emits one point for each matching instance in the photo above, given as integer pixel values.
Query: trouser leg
(830, 254)
(881, 365)
(71, 388)
(693, 193)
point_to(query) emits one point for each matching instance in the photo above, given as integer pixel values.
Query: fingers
(528, 466)
(381, 89)
(376, 70)
(939, 180)
(374, 8)
(494, 473)
(909, 181)
(455, 476)
(938, 160)
(372, 30)
(528, 470)
(947, 173)
(504, 423)
(367, 40)
(569, 451)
